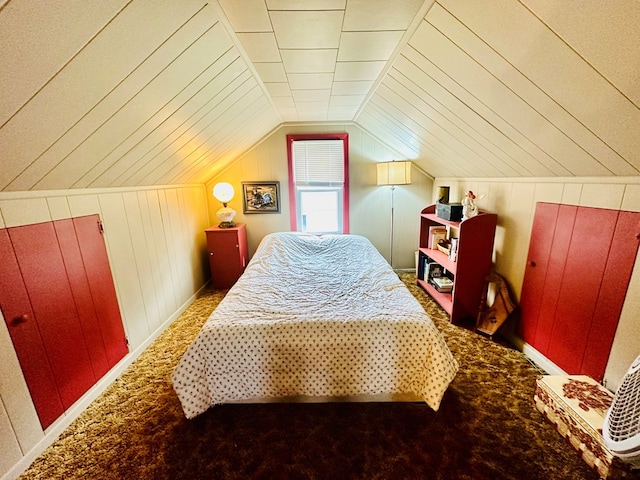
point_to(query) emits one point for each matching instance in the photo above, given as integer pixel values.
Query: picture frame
(261, 197)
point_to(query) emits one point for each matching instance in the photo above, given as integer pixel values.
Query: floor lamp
(393, 174)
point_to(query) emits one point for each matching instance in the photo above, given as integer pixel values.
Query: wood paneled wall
(122, 93)
(370, 213)
(501, 88)
(515, 200)
(157, 252)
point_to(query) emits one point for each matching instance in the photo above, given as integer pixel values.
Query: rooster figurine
(469, 206)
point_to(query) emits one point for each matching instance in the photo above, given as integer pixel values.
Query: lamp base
(225, 215)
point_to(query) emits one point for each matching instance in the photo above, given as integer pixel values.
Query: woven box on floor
(577, 404)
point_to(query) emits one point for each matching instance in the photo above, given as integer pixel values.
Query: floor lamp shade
(394, 173)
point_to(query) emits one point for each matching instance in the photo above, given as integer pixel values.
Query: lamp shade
(223, 192)
(394, 173)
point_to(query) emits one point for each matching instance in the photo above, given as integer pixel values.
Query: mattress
(315, 316)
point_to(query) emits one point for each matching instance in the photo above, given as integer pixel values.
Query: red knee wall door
(58, 300)
(578, 269)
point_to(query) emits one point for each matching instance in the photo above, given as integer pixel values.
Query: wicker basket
(444, 249)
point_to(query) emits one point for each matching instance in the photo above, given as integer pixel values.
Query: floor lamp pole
(393, 187)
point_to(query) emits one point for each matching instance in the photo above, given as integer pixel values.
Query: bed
(321, 317)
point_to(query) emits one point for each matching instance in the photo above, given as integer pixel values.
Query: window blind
(318, 162)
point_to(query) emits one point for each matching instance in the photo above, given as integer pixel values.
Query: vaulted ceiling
(147, 92)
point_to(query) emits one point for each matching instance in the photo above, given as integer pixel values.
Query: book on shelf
(444, 289)
(436, 233)
(442, 284)
(443, 281)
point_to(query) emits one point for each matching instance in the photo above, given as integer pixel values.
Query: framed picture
(261, 197)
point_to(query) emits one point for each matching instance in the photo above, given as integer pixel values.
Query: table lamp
(223, 192)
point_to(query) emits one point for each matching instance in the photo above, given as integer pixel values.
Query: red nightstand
(227, 254)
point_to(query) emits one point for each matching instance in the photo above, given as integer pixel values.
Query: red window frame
(292, 186)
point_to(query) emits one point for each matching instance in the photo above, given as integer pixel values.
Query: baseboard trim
(532, 354)
(52, 433)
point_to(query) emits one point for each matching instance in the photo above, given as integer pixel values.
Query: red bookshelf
(471, 268)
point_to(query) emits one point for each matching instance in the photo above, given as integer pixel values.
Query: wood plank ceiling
(151, 92)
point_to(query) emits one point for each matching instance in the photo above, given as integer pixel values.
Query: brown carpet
(487, 426)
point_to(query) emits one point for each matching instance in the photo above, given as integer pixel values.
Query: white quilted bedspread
(314, 316)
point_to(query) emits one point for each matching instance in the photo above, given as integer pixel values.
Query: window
(319, 182)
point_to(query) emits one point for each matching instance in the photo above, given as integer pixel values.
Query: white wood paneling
(123, 267)
(631, 199)
(142, 257)
(535, 50)
(514, 241)
(25, 211)
(138, 96)
(602, 195)
(453, 128)
(476, 115)
(572, 194)
(27, 30)
(205, 170)
(598, 32)
(406, 143)
(162, 270)
(93, 122)
(20, 428)
(161, 92)
(559, 119)
(186, 239)
(58, 208)
(474, 77)
(196, 220)
(450, 142)
(160, 128)
(168, 199)
(154, 283)
(494, 65)
(548, 192)
(87, 204)
(11, 453)
(231, 127)
(92, 74)
(194, 135)
(162, 133)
